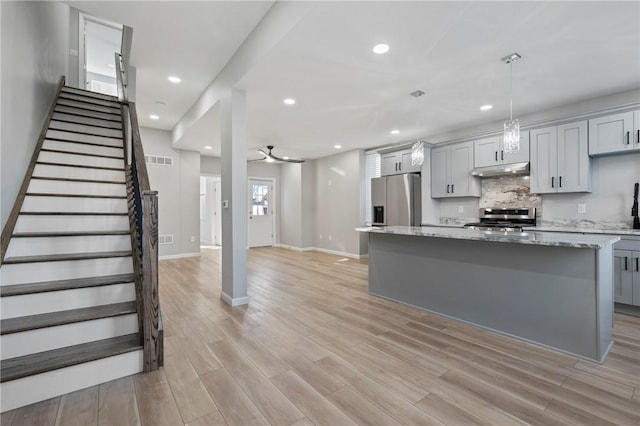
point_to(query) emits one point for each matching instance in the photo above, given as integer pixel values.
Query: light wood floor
(314, 348)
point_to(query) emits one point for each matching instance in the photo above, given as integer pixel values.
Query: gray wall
(178, 189)
(339, 202)
(291, 205)
(35, 39)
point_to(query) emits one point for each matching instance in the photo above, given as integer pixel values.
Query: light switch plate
(460, 209)
(225, 204)
(582, 208)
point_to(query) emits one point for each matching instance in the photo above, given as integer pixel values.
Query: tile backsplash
(509, 191)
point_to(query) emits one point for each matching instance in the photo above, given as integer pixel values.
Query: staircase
(68, 314)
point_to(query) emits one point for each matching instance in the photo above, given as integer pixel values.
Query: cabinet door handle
(628, 137)
(496, 155)
(560, 181)
(552, 182)
(502, 155)
(626, 267)
(400, 166)
(637, 259)
(448, 189)
(638, 132)
(452, 188)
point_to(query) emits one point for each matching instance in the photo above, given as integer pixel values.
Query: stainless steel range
(504, 219)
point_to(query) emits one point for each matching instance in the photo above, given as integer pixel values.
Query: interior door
(261, 201)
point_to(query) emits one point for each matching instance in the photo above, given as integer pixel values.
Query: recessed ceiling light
(161, 103)
(337, 146)
(395, 131)
(111, 65)
(174, 79)
(486, 107)
(154, 117)
(380, 48)
(289, 101)
(208, 147)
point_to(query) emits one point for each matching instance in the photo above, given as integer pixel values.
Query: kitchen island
(553, 289)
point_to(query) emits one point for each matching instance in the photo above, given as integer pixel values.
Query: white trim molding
(238, 301)
(178, 256)
(323, 250)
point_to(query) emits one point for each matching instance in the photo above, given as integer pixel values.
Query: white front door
(261, 204)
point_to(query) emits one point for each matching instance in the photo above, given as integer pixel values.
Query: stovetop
(504, 219)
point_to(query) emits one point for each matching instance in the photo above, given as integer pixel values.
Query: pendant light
(511, 140)
(417, 150)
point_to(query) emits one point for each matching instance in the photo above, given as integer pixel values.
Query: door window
(259, 199)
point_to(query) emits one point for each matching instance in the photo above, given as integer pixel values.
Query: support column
(233, 132)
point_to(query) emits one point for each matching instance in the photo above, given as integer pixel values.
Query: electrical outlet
(582, 208)
(460, 209)
(329, 237)
(193, 239)
(320, 236)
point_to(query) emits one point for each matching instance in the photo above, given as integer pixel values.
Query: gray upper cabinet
(560, 159)
(490, 151)
(450, 167)
(615, 133)
(397, 162)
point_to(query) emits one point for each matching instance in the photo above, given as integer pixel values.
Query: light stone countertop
(558, 239)
(617, 231)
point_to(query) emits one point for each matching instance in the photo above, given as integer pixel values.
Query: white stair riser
(87, 106)
(44, 170)
(87, 112)
(59, 134)
(28, 390)
(32, 246)
(82, 160)
(83, 128)
(55, 223)
(91, 121)
(22, 273)
(41, 303)
(88, 94)
(83, 148)
(74, 204)
(43, 186)
(46, 339)
(88, 99)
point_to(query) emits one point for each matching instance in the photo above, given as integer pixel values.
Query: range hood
(502, 170)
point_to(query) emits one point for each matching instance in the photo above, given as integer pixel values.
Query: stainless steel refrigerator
(396, 200)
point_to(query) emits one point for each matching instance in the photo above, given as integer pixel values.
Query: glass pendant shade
(511, 141)
(417, 154)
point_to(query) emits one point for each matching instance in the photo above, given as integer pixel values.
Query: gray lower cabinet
(560, 159)
(450, 167)
(626, 283)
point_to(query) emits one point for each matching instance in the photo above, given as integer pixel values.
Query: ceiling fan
(269, 157)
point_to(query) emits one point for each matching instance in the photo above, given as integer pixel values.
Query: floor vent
(165, 239)
(157, 159)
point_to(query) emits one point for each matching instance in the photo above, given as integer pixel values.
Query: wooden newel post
(151, 308)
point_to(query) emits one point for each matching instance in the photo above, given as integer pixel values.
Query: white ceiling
(347, 95)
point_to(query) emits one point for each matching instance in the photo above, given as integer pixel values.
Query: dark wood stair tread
(60, 151)
(88, 113)
(50, 194)
(66, 256)
(64, 179)
(42, 287)
(52, 319)
(73, 214)
(70, 120)
(41, 362)
(89, 100)
(78, 132)
(89, 93)
(49, 163)
(67, 234)
(57, 139)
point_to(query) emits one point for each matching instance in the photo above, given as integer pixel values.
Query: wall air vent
(165, 239)
(160, 160)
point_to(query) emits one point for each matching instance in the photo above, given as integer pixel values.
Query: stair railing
(143, 221)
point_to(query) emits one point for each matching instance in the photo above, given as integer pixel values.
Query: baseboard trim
(178, 256)
(238, 301)
(323, 250)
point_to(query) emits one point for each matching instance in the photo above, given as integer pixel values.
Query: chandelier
(511, 140)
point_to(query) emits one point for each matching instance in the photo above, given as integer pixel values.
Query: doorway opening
(262, 202)
(210, 214)
(99, 41)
